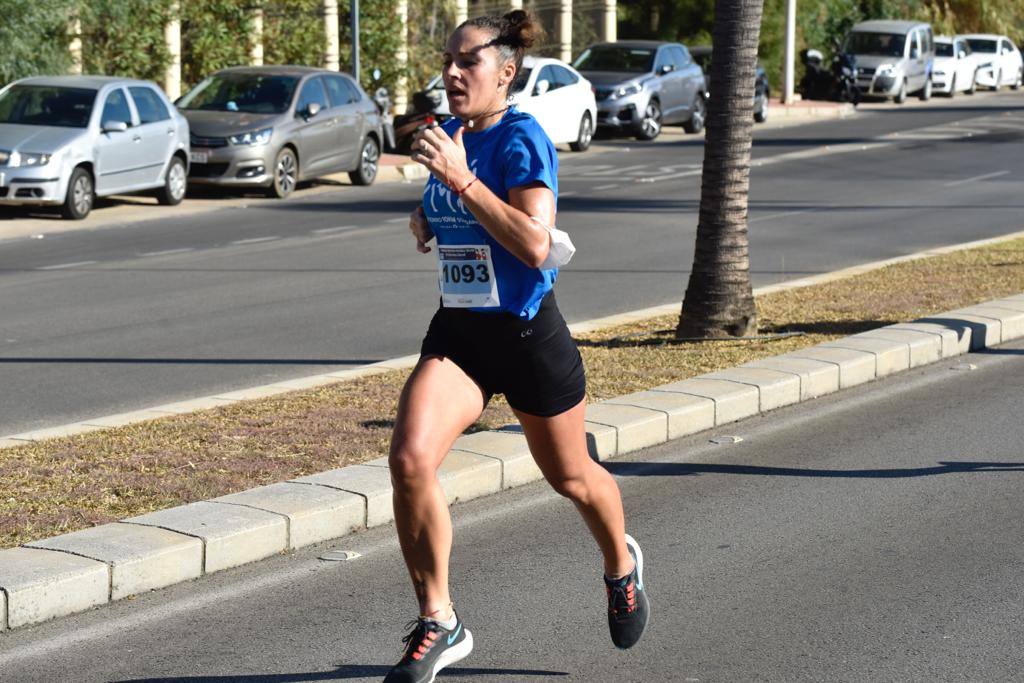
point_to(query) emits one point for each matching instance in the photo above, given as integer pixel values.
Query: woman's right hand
(420, 230)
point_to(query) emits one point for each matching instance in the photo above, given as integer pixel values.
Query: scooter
(837, 83)
(382, 98)
(424, 113)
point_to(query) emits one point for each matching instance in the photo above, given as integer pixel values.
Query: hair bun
(521, 29)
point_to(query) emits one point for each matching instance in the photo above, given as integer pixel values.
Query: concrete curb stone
(314, 513)
(372, 484)
(774, 389)
(70, 573)
(817, 378)
(685, 414)
(733, 401)
(510, 449)
(140, 558)
(42, 584)
(231, 534)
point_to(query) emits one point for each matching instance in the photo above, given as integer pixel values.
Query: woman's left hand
(444, 157)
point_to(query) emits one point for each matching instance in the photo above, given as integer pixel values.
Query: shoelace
(621, 597)
(421, 638)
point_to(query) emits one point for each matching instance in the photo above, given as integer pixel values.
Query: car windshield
(632, 60)
(943, 49)
(521, 80)
(882, 44)
(47, 105)
(982, 45)
(250, 93)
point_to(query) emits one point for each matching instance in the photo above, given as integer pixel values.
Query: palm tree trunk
(719, 300)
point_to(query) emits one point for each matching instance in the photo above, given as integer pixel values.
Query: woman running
(490, 197)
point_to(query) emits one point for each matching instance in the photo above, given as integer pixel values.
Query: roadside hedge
(34, 37)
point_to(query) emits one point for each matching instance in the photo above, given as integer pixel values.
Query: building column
(609, 22)
(565, 30)
(256, 56)
(515, 4)
(333, 49)
(172, 36)
(75, 43)
(790, 58)
(461, 11)
(401, 101)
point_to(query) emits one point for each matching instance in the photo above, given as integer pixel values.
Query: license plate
(199, 157)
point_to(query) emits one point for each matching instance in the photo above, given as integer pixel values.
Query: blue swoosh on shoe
(452, 637)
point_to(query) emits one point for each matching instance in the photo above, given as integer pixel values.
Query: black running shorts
(535, 363)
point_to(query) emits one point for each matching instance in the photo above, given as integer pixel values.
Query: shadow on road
(344, 671)
(671, 469)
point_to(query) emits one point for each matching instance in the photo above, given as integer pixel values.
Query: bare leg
(438, 402)
(559, 445)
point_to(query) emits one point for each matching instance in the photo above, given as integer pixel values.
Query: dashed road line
(168, 252)
(66, 265)
(400, 219)
(976, 178)
(331, 231)
(600, 188)
(256, 240)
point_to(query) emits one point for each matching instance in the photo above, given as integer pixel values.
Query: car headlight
(253, 138)
(885, 70)
(626, 90)
(28, 159)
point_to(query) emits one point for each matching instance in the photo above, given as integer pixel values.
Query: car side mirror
(115, 127)
(914, 52)
(961, 54)
(666, 69)
(312, 110)
(543, 85)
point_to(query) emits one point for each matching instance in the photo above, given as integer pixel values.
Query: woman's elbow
(537, 255)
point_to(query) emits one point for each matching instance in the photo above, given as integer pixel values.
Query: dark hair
(514, 33)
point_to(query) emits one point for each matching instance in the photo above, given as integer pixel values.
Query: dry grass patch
(71, 483)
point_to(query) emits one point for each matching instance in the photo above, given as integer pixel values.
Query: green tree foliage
(125, 37)
(33, 36)
(215, 34)
(293, 32)
(380, 37)
(430, 23)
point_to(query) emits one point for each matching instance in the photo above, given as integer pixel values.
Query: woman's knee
(411, 463)
(576, 489)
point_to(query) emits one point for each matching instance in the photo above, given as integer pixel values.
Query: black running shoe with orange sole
(628, 608)
(430, 647)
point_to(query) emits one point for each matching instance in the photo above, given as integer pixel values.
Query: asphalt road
(99, 321)
(870, 536)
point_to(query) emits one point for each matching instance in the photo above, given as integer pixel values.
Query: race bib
(466, 276)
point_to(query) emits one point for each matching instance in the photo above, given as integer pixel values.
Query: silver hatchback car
(272, 126)
(65, 140)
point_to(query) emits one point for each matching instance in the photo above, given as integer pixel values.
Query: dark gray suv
(641, 85)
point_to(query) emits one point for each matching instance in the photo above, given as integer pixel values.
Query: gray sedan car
(66, 140)
(641, 85)
(272, 126)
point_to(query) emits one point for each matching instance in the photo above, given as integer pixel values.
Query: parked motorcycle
(423, 113)
(382, 98)
(837, 83)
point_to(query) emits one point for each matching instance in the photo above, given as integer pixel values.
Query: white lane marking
(256, 240)
(599, 188)
(66, 265)
(400, 219)
(567, 194)
(778, 215)
(166, 252)
(329, 231)
(976, 178)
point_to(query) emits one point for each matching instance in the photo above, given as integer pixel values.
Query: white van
(894, 58)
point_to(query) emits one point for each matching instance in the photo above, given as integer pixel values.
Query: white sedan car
(65, 140)
(955, 66)
(999, 60)
(556, 94)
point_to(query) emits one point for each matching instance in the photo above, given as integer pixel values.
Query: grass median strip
(61, 485)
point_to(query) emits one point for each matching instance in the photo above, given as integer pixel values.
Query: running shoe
(628, 609)
(430, 647)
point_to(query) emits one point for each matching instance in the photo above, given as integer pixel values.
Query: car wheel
(650, 125)
(175, 184)
(81, 194)
(698, 115)
(761, 115)
(286, 173)
(901, 96)
(369, 158)
(585, 135)
(926, 91)
(1016, 83)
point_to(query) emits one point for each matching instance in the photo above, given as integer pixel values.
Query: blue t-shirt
(512, 153)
